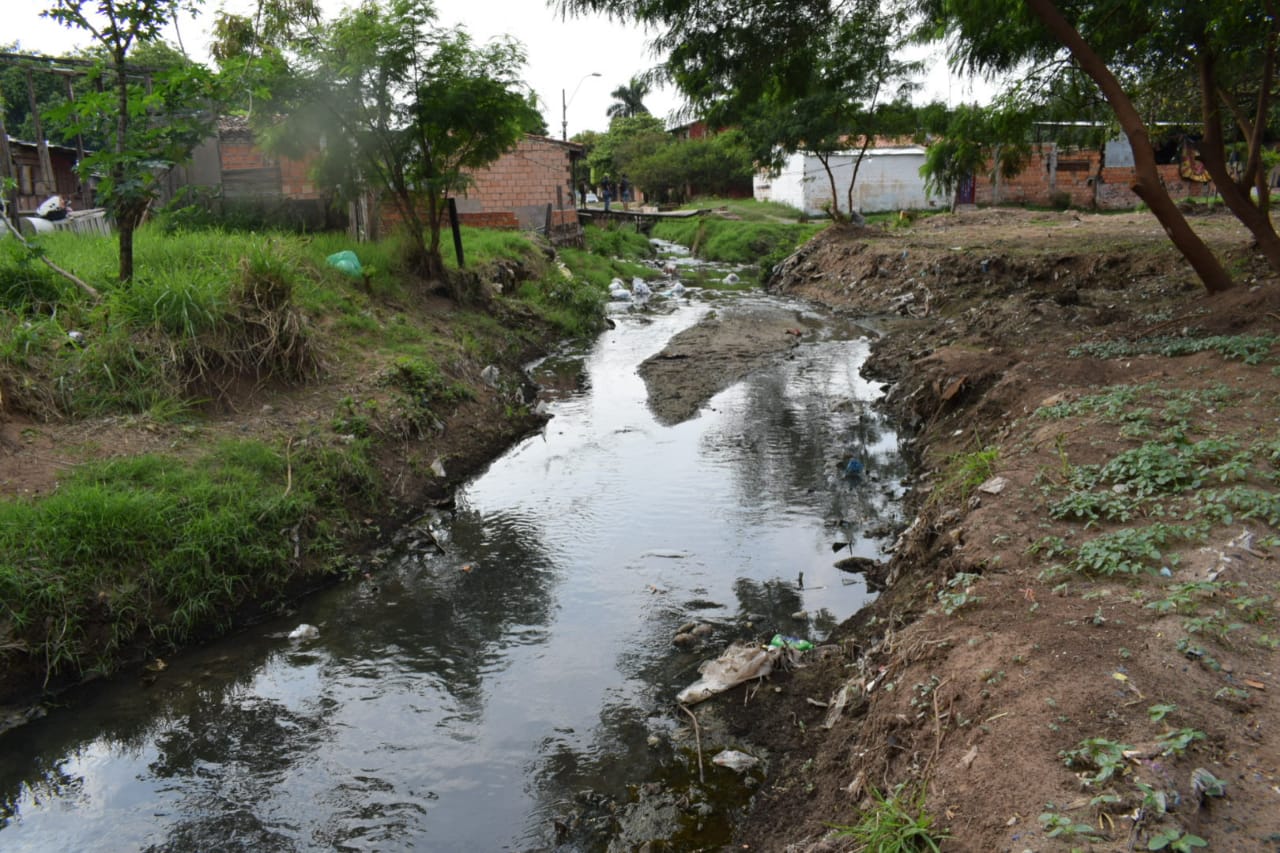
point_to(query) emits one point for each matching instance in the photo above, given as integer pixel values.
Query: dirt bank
(416, 464)
(1082, 618)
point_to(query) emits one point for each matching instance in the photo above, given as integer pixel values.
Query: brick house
(529, 188)
(237, 173)
(1091, 178)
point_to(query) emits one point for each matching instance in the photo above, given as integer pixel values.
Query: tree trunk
(1234, 195)
(835, 193)
(1146, 184)
(125, 220)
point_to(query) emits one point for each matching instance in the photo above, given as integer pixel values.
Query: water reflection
(507, 666)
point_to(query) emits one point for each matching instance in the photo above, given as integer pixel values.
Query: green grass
(897, 823)
(154, 546)
(158, 549)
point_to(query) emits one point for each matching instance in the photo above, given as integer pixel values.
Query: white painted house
(888, 179)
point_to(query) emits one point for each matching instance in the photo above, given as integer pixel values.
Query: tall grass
(764, 244)
(150, 546)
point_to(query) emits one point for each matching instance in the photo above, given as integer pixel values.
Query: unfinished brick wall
(514, 191)
(248, 170)
(523, 181)
(1080, 174)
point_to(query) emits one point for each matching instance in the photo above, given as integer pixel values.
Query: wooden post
(548, 220)
(48, 185)
(457, 232)
(80, 181)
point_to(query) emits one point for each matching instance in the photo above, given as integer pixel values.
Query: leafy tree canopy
(405, 107)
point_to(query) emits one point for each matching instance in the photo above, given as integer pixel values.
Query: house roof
(571, 146)
(52, 147)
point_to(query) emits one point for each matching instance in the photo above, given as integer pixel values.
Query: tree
(808, 74)
(971, 139)
(254, 53)
(406, 108)
(1100, 37)
(629, 99)
(842, 104)
(716, 165)
(157, 120)
(628, 139)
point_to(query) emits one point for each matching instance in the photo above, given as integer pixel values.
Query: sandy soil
(978, 706)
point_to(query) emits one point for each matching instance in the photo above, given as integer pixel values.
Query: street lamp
(564, 105)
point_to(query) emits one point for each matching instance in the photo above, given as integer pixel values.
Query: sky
(562, 54)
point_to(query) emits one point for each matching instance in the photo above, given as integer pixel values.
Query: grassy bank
(741, 231)
(203, 443)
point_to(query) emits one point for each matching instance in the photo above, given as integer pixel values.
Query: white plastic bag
(739, 663)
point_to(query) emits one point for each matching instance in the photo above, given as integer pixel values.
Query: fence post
(457, 232)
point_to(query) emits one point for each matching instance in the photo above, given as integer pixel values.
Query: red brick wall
(514, 191)
(238, 153)
(1078, 174)
(524, 180)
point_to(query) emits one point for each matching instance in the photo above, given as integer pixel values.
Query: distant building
(888, 179)
(527, 188)
(34, 186)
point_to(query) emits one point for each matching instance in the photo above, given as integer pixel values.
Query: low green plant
(964, 472)
(1175, 839)
(958, 592)
(1104, 757)
(1061, 826)
(1249, 349)
(1176, 742)
(1127, 551)
(897, 823)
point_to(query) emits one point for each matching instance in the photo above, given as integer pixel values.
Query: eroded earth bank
(1077, 646)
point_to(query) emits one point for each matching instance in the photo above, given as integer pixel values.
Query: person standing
(606, 187)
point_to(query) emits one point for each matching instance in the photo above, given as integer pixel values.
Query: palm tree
(629, 99)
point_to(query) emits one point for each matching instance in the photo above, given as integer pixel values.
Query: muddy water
(504, 677)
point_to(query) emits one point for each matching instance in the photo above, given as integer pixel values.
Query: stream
(503, 676)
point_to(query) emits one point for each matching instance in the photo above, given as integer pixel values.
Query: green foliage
(729, 241)
(961, 473)
(153, 123)
(617, 243)
(715, 166)
(958, 593)
(629, 138)
(1176, 742)
(150, 546)
(1127, 551)
(974, 138)
(1173, 838)
(897, 823)
(1061, 826)
(406, 105)
(1105, 758)
(1251, 349)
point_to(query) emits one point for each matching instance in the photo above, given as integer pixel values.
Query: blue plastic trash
(346, 262)
(854, 467)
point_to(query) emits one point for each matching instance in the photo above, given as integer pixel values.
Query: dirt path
(1081, 622)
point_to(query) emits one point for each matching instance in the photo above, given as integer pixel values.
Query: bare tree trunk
(825, 160)
(1146, 184)
(1234, 195)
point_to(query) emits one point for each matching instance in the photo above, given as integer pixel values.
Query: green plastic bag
(346, 262)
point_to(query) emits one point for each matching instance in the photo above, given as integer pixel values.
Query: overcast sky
(561, 53)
